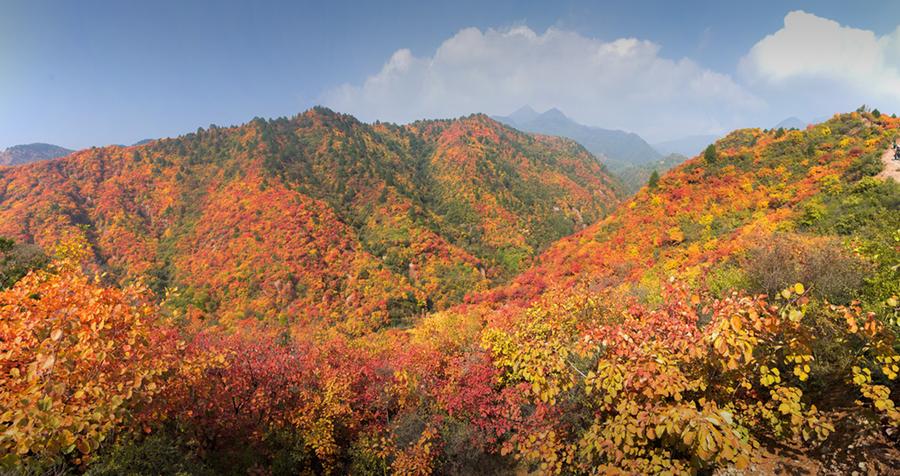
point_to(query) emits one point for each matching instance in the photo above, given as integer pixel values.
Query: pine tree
(710, 155)
(653, 183)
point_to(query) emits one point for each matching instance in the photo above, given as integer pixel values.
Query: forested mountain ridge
(754, 288)
(379, 222)
(626, 155)
(740, 314)
(713, 208)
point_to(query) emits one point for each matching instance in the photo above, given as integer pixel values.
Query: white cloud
(814, 51)
(623, 83)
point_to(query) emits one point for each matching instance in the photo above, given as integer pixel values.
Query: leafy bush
(17, 260)
(155, 454)
(725, 279)
(866, 213)
(828, 268)
(866, 165)
(77, 357)
(651, 391)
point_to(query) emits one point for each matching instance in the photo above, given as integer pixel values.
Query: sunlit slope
(710, 211)
(315, 217)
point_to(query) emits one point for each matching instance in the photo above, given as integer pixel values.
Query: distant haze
(27, 153)
(688, 146)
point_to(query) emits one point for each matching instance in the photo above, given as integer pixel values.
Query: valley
(449, 296)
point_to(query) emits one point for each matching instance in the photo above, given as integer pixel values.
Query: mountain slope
(634, 177)
(26, 153)
(739, 317)
(357, 224)
(702, 214)
(746, 305)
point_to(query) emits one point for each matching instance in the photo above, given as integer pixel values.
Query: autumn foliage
(361, 225)
(326, 297)
(77, 357)
(693, 384)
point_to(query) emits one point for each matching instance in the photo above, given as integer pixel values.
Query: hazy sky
(88, 73)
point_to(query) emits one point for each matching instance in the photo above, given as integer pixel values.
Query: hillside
(705, 213)
(317, 217)
(626, 155)
(739, 317)
(714, 284)
(26, 153)
(634, 177)
(754, 289)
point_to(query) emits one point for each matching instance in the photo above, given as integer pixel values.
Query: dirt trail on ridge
(891, 166)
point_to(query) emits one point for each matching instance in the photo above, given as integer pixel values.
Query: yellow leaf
(798, 288)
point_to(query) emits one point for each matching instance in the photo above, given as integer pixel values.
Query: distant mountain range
(791, 123)
(25, 153)
(688, 146)
(692, 145)
(627, 155)
(610, 146)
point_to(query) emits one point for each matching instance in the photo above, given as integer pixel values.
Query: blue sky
(89, 73)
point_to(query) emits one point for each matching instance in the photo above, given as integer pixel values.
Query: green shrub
(17, 260)
(867, 213)
(726, 278)
(454, 281)
(155, 454)
(867, 165)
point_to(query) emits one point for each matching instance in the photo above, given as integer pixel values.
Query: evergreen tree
(710, 155)
(653, 183)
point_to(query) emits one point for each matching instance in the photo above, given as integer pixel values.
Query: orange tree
(74, 356)
(690, 385)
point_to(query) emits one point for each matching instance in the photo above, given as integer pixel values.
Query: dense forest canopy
(378, 222)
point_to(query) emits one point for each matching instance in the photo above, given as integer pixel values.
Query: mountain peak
(25, 153)
(523, 114)
(792, 122)
(555, 114)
